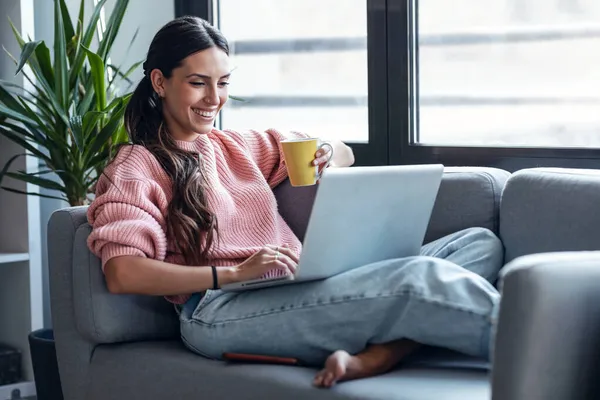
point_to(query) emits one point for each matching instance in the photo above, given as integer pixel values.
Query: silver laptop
(362, 215)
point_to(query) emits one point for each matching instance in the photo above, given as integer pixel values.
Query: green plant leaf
(123, 100)
(42, 172)
(80, 20)
(28, 132)
(8, 164)
(40, 63)
(33, 101)
(4, 172)
(32, 134)
(76, 129)
(42, 54)
(112, 28)
(76, 63)
(25, 144)
(116, 73)
(46, 196)
(61, 78)
(126, 74)
(99, 159)
(84, 89)
(68, 30)
(65, 175)
(26, 52)
(41, 92)
(33, 62)
(10, 101)
(135, 35)
(17, 116)
(108, 130)
(120, 136)
(86, 41)
(29, 112)
(52, 142)
(45, 91)
(85, 104)
(98, 77)
(50, 104)
(17, 90)
(36, 180)
(90, 121)
(16, 33)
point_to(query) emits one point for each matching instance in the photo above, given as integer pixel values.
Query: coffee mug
(299, 155)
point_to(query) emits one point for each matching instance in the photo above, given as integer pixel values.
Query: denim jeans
(443, 297)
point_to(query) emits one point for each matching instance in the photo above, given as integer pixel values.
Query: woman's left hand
(343, 156)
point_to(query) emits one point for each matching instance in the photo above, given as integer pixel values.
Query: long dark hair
(190, 224)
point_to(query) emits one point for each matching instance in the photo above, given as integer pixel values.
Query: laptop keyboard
(275, 273)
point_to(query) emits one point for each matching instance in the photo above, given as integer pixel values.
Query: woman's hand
(343, 156)
(268, 260)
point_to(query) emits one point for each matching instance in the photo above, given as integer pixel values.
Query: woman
(187, 208)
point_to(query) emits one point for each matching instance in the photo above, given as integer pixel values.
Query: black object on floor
(10, 365)
(45, 366)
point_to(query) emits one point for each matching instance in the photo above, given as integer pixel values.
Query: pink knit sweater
(128, 213)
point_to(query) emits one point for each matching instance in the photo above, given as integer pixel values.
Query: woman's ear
(158, 82)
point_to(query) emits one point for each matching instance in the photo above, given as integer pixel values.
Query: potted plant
(69, 116)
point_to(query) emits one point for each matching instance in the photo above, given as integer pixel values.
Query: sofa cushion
(131, 371)
(550, 209)
(103, 317)
(468, 197)
(295, 205)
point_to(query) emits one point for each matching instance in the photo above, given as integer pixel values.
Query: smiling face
(194, 93)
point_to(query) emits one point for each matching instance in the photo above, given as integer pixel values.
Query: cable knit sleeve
(265, 149)
(127, 215)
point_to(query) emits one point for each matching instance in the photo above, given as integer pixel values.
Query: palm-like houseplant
(72, 117)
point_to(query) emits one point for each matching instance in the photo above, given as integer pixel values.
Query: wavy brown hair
(190, 224)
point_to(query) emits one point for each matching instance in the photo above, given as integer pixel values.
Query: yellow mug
(299, 155)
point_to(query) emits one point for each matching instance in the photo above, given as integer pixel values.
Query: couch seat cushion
(166, 370)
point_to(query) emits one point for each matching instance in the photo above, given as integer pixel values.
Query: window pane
(291, 74)
(509, 72)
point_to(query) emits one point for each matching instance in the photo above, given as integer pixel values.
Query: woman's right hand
(277, 260)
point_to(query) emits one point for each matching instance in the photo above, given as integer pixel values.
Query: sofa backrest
(468, 197)
(550, 209)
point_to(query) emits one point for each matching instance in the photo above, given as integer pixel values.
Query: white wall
(146, 15)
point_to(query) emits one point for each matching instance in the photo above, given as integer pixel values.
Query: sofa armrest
(73, 351)
(548, 334)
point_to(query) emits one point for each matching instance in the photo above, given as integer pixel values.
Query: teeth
(204, 113)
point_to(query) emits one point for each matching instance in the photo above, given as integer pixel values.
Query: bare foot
(375, 360)
(338, 367)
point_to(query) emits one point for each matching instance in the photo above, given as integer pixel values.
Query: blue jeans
(444, 298)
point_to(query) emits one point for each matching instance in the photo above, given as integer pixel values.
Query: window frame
(402, 26)
(198, 8)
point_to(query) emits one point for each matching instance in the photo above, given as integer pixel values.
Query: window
(298, 65)
(501, 83)
(508, 73)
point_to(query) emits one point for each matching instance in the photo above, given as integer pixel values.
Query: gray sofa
(548, 332)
